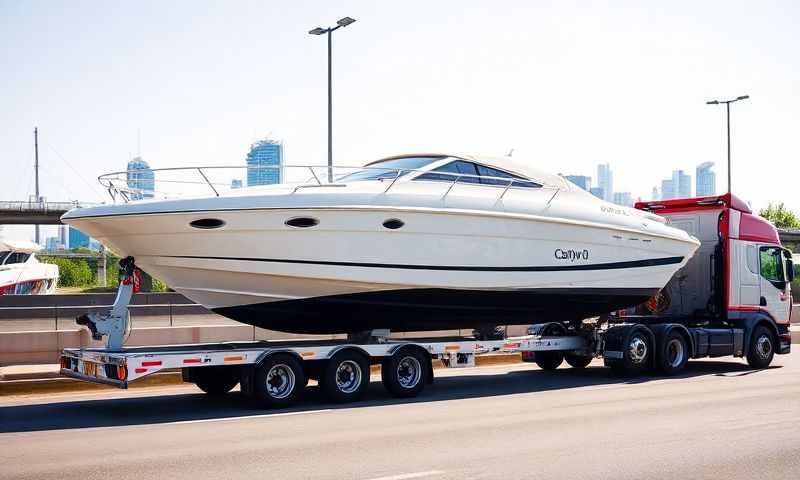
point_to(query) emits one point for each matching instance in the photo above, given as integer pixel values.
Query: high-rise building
(53, 244)
(598, 192)
(77, 239)
(605, 180)
(683, 184)
(706, 180)
(656, 194)
(140, 179)
(623, 198)
(62, 235)
(265, 163)
(580, 180)
(236, 183)
(679, 186)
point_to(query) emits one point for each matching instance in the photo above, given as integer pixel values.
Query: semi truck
(732, 298)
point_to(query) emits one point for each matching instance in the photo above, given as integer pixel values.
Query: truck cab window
(771, 264)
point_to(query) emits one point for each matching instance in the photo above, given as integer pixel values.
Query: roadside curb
(64, 384)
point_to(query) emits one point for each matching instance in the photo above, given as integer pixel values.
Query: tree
(781, 216)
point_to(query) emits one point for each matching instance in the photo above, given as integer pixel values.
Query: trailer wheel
(674, 353)
(548, 360)
(216, 381)
(762, 348)
(278, 380)
(578, 361)
(345, 377)
(404, 374)
(636, 353)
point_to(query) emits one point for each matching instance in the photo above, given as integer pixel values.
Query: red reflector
(191, 360)
(154, 363)
(512, 345)
(141, 370)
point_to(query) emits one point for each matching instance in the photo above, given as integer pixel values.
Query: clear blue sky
(566, 84)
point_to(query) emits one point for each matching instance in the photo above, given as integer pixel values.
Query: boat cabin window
(375, 170)
(14, 257)
(479, 174)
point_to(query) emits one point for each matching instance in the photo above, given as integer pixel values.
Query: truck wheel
(548, 360)
(762, 348)
(404, 373)
(578, 361)
(278, 380)
(216, 381)
(674, 354)
(345, 377)
(636, 354)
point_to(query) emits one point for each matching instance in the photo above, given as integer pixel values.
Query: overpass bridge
(36, 213)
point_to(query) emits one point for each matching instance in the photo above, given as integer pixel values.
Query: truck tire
(215, 381)
(635, 355)
(674, 353)
(278, 381)
(762, 348)
(404, 374)
(345, 377)
(578, 361)
(548, 360)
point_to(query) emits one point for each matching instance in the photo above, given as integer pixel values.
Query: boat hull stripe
(652, 262)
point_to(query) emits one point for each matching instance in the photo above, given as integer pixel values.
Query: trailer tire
(278, 380)
(674, 353)
(548, 360)
(216, 381)
(405, 373)
(637, 350)
(578, 361)
(762, 348)
(345, 377)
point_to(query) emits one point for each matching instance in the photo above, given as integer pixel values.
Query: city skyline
(627, 83)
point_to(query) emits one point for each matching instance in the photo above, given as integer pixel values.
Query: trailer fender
(428, 365)
(545, 329)
(347, 347)
(662, 330)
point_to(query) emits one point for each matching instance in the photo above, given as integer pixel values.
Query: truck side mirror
(790, 270)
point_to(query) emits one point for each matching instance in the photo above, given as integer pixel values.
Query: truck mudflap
(784, 340)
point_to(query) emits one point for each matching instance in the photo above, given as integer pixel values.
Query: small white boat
(21, 273)
(413, 242)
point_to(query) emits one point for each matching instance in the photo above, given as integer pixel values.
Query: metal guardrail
(40, 207)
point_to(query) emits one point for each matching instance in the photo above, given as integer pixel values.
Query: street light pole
(728, 124)
(343, 22)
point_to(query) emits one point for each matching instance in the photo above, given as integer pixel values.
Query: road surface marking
(407, 476)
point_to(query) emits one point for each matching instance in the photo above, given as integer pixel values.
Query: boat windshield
(375, 171)
(9, 258)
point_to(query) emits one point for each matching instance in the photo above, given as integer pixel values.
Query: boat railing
(176, 182)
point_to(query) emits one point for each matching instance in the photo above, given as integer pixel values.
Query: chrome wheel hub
(348, 376)
(280, 381)
(637, 349)
(409, 372)
(764, 346)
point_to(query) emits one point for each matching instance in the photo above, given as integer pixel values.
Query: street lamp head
(743, 97)
(712, 102)
(345, 21)
(318, 31)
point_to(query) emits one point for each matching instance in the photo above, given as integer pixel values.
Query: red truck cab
(739, 278)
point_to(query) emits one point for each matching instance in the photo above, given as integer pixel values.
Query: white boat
(21, 273)
(412, 242)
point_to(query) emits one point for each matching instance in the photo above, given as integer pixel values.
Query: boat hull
(444, 269)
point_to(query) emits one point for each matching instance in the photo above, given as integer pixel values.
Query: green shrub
(72, 272)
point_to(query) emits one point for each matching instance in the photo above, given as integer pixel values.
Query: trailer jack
(114, 324)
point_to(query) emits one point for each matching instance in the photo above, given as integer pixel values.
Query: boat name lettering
(571, 255)
(614, 210)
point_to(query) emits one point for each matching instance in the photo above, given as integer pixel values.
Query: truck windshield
(388, 169)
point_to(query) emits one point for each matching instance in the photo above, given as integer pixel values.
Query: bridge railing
(42, 207)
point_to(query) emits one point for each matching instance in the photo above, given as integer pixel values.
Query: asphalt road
(718, 420)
